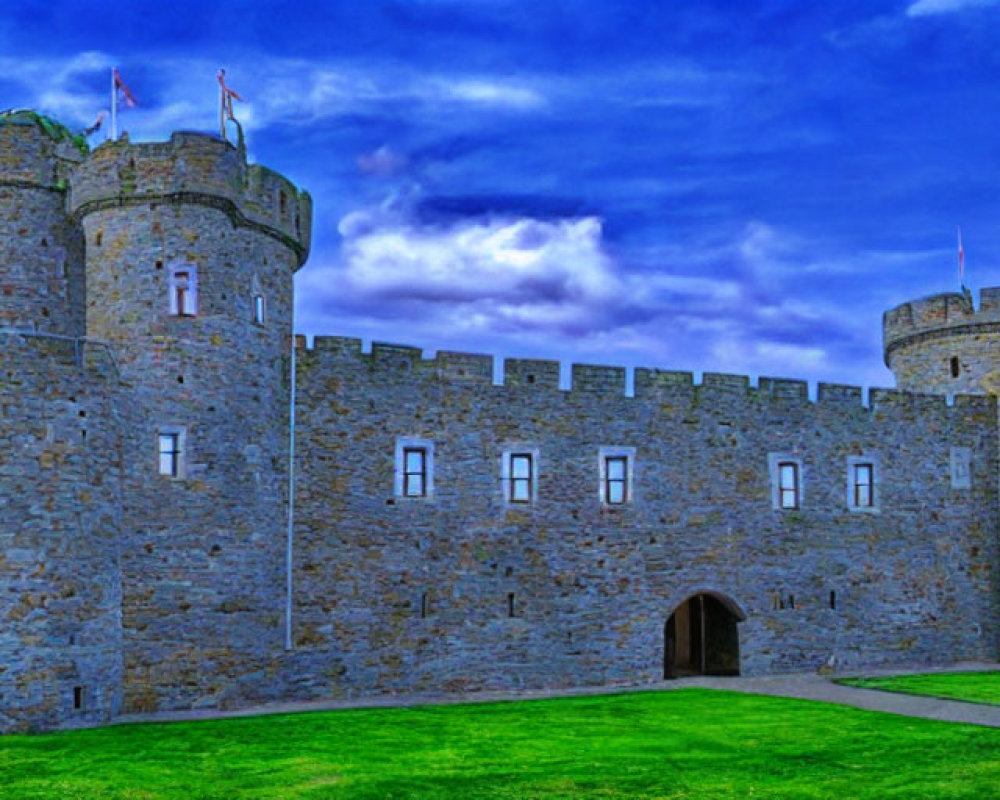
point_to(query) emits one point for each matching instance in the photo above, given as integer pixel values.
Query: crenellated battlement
(945, 314)
(403, 363)
(194, 168)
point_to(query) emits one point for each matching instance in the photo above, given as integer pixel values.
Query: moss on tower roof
(55, 129)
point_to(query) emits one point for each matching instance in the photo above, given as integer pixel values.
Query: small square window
(169, 450)
(259, 309)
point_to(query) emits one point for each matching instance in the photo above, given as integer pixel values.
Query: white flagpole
(114, 107)
(222, 111)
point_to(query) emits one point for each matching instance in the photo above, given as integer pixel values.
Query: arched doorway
(700, 637)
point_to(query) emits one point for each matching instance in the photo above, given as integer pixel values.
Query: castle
(448, 532)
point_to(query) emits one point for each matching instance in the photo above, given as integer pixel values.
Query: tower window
(258, 309)
(954, 366)
(183, 287)
(78, 698)
(169, 449)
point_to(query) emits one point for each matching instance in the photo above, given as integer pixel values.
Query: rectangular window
(788, 484)
(414, 472)
(183, 291)
(170, 454)
(521, 469)
(414, 467)
(616, 480)
(864, 496)
(258, 309)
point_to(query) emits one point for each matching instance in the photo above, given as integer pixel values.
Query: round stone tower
(190, 257)
(60, 451)
(41, 253)
(941, 344)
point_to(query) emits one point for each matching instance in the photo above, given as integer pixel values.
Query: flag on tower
(96, 126)
(226, 97)
(961, 258)
(118, 85)
(127, 95)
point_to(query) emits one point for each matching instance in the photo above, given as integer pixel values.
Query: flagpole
(114, 106)
(222, 111)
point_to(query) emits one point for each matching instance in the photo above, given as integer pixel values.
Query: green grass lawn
(690, 743)
(976, 687)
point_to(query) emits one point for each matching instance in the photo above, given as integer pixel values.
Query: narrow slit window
(788, 484)
(170, 454)
(864, 496)
(415, 472)
(259, 309)
(78, 698)
(833, 599)
(521, 469)
(510, 604)
(954, 366)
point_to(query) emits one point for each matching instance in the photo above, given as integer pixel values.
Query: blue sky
(713, 186)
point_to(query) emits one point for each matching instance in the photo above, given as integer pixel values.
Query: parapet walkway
(801, 686)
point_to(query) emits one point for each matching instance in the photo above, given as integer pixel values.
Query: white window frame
(858, 461)
(180, 435)
(507, 480)
(188, 306)
(616, 451)
(403, 444)
(774, 463)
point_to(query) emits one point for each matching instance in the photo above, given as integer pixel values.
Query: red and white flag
(961, 258)
(127, 95)
(227, 94)
(96, 126)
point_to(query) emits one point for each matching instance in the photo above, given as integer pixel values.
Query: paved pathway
(817, 687)
(804, 686)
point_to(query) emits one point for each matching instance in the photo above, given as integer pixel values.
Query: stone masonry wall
(60, 532)
(203, 564)
(413, 594)
(41, 251)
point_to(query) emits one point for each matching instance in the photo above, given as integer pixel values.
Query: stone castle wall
(412, 594)
(61, 406)
(203, 564)
(129, 590)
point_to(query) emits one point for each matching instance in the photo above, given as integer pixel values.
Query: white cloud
(277, 91)
(925, 8)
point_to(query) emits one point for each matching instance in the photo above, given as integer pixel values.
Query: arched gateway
(700, 637)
